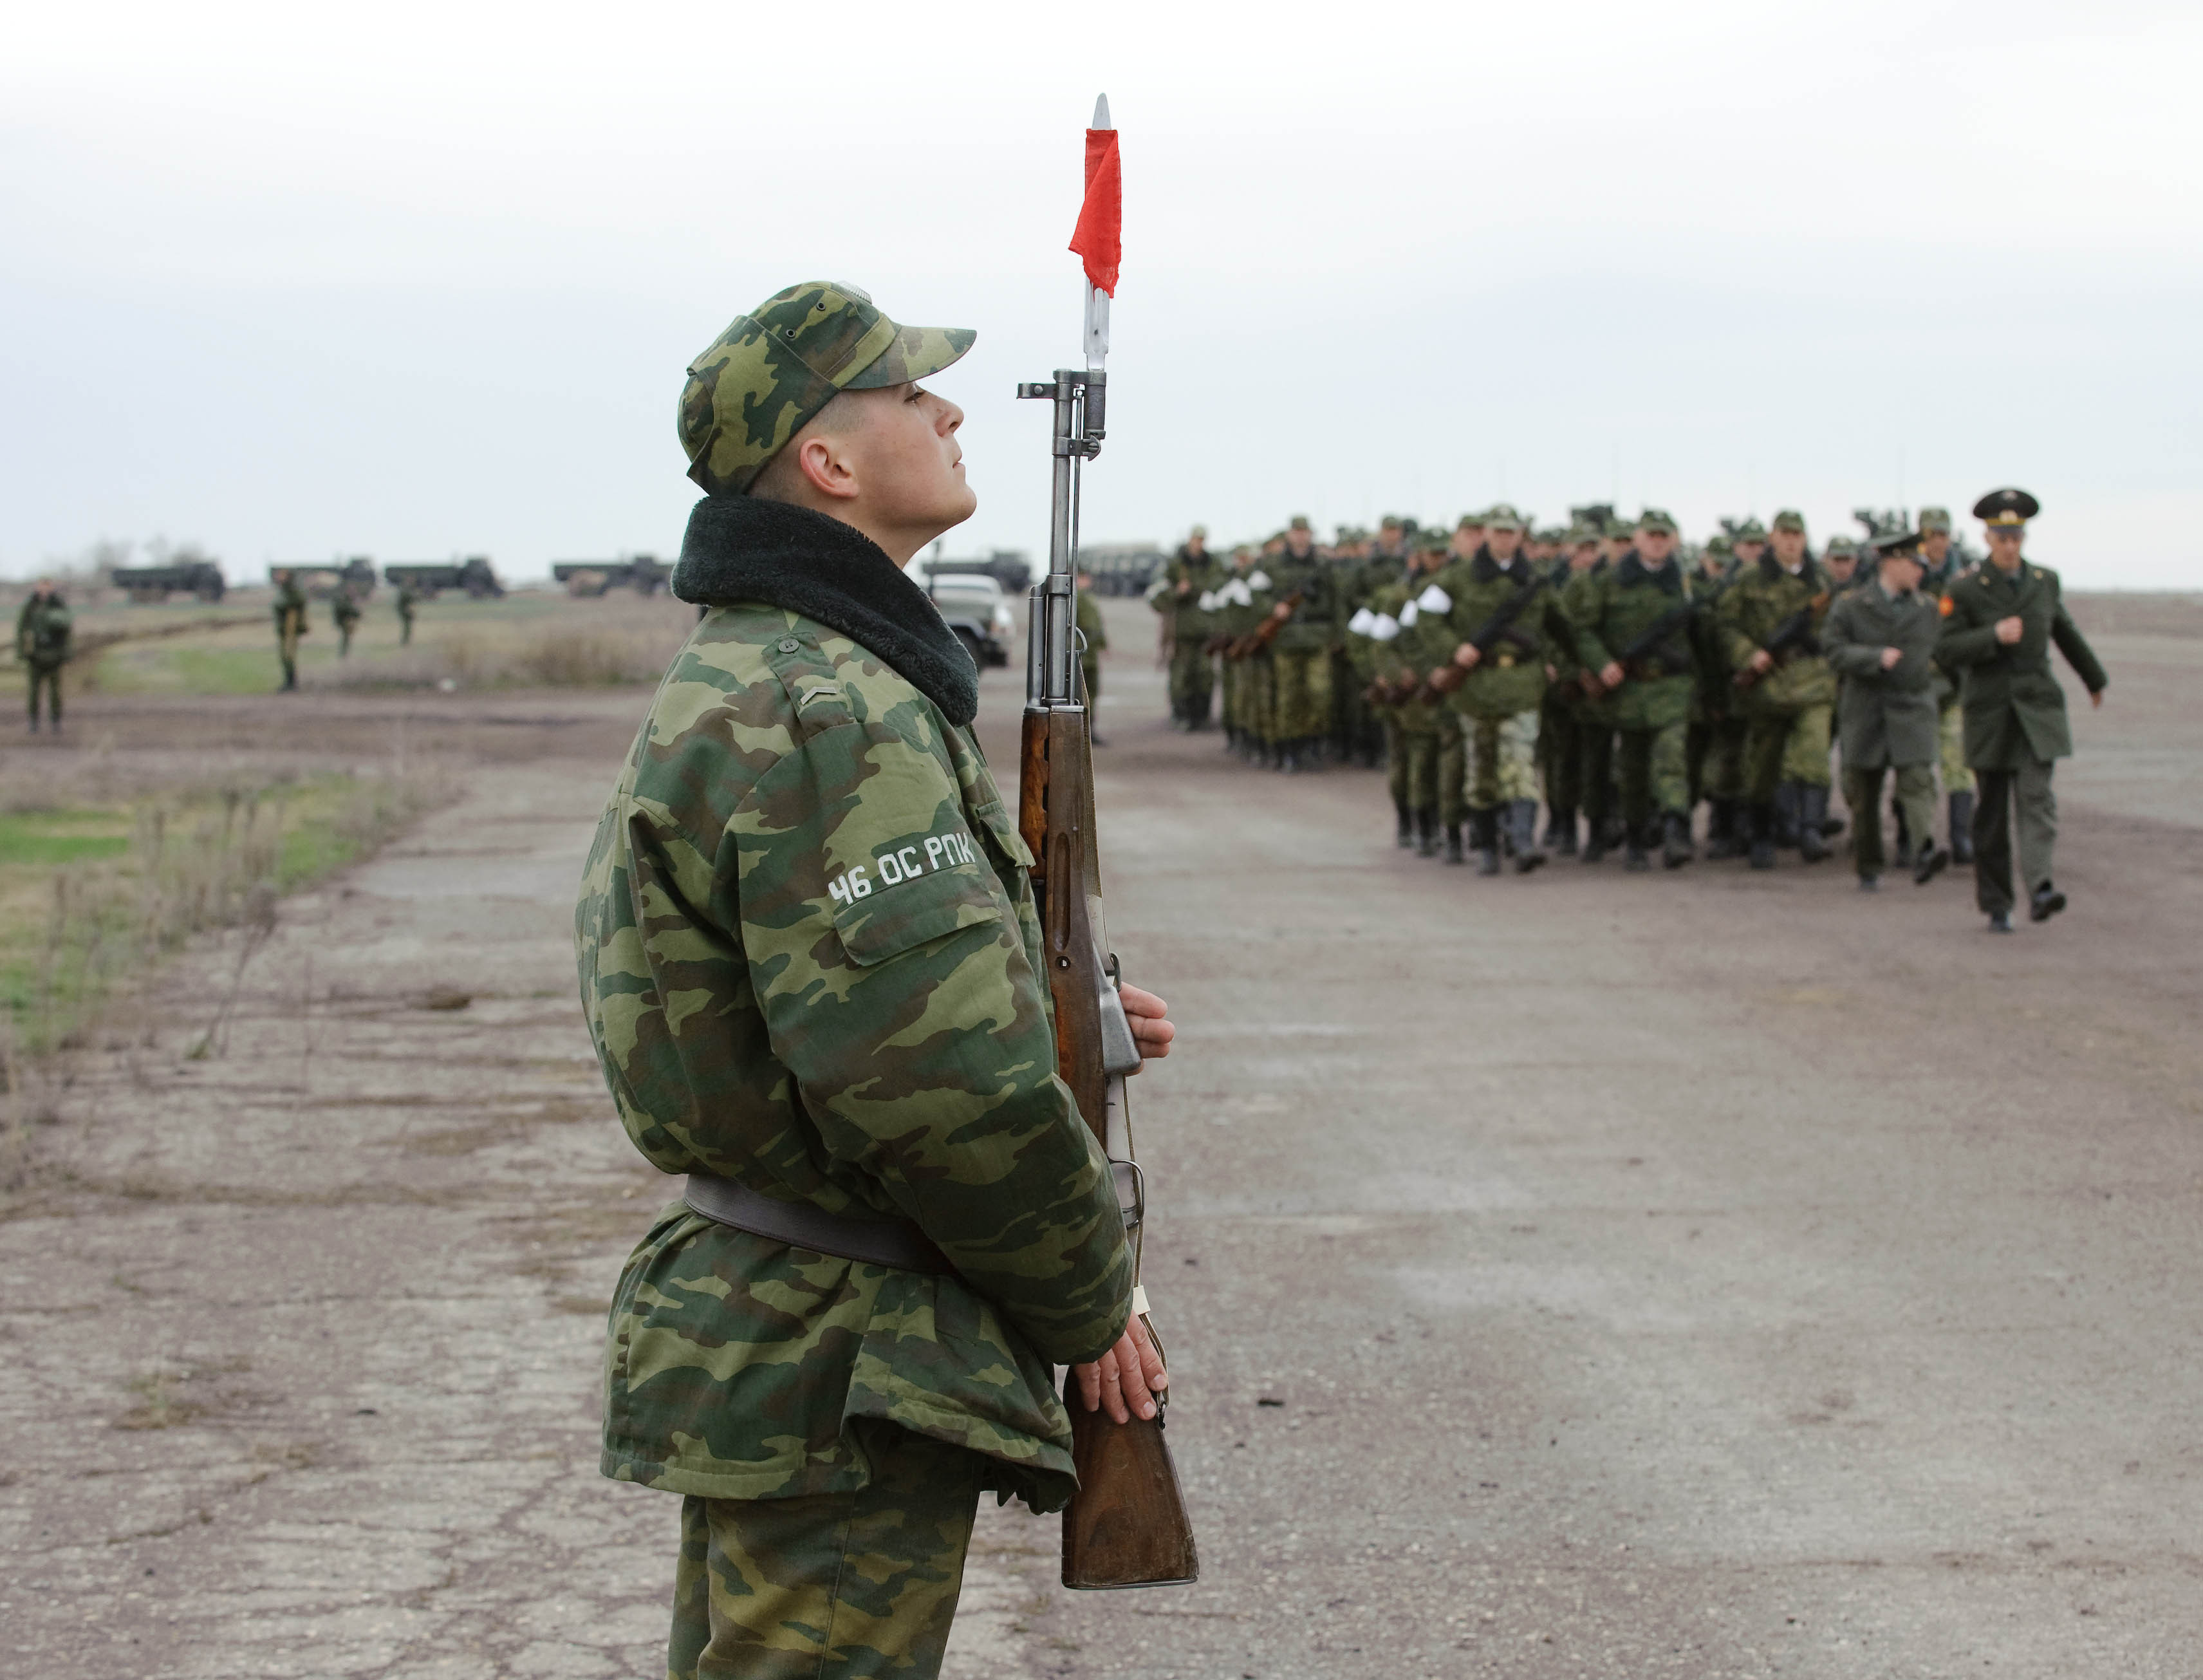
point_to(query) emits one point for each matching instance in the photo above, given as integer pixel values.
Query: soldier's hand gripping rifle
(1127, 1524)
(1452, 674)
(1795, 631)
(1265, 633)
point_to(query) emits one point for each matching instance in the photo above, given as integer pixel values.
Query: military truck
(1122, 568)
(429, 579)
(322, 579)
(645, 574)
(202, 579)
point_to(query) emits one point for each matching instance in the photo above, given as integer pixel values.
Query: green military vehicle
(322, 579)
(429, 579)
(148, 583)
(645, 574)
(1122, 568)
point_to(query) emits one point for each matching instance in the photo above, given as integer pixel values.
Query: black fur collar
(1486, 567)
(1667, 575)
(744, 548)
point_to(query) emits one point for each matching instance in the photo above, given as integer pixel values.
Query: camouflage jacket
(1757, 602)
(808, 956)
(1188, 622)
(1511, 676)
(1314, 623)
(42, 629)
(1612, 612)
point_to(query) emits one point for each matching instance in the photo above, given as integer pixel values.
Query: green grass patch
(43, 838)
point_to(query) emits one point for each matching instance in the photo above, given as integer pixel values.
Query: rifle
(1796, 631)
(1127, 1524)
(1449, 677)
(1259, 638)
(1654, 634)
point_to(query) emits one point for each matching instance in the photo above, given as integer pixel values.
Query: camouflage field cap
(1619, 528)
(1841, 545)
(1655, 519)
(1750, 531)
(1470, 522)
(1501, 516)
(1577, 537)
(1719, 545)
(1789, 520)
(1300, 522)
(776, 367)
(1432, 539)
(1934, 519)
(1201, 531)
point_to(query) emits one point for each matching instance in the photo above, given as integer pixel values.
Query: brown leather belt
(871, 1239)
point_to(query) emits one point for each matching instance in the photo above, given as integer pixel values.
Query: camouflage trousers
(1089, 672)
(1560, 752)
(1916, 800)
(48, 677)
(1192, 678)
(1595, 767)
(1252, 691)
(1951, 729)
(1502, 759)
(858, 1586)
(1415, 737)
(1453, 770)
(1652, 766)
(1302, 676)
(1716, 759)
(1785, 747)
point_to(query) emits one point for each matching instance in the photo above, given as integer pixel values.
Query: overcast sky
(417, 280)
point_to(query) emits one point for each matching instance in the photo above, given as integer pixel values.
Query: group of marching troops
(1602, 671)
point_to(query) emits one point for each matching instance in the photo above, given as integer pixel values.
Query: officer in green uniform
(1564, 720)
(43, 629)
(1497, 595)
(1790, 693)
(1300, 657)
(346, 608)
(843, 1331)
(290, 610)
(1880, 640)
(1093, 637)
(1943, 571)
(2002, 620)
(1632, 629)
(405, 601)
(1189, 582)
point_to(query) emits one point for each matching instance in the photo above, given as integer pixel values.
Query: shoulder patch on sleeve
(817, 698)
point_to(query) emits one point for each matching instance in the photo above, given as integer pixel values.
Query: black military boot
(1594, 842)
(1931, 861)
(1561, 831)
(1786, 815)
(1902, 857)
(1812, 809)
(1760, 819)
(1676, 850)
(1453, 852)
(1406, 827)
(1961, 828)
(1486, 826)
(1724, 823)
(1526, 855)
(1427, 833)
(2045, 903)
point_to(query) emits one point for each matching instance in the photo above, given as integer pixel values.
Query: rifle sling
(895, 1243)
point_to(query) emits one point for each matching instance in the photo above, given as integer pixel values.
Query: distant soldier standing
(1769, 617)
(1496, 595)
(1633, 627)
(346, 608)
(43, 631)
(1880, 641)
(1300, 658)
(1565, 724)
(1402, 662)
(1717, 743)
(2001, 623)
(1938, 555)
(405, 601)
(1189, 579)
(1093, 637)
(290, 611)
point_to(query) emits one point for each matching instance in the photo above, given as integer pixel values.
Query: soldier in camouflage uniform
(1632, 629)
(1357, 736)
(1788, 706)
(290, 611)
(811, 965)
(42, 630)
(346, 610)
(1093, 637)
(1717, 739)
(1190, 580)
(1496, 694)
(1563, 724)
(1245, 602)
(406, 605)
(1402, 662)
(1300, 657)
(1943, 571)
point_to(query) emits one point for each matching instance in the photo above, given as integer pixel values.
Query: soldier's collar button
(788, 644)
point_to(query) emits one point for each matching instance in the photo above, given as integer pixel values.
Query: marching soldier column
(1621, 679)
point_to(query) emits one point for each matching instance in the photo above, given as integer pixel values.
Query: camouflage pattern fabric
(1610, 610)
(1650, 765)
(1303, 706)
(808, 957)
(44, 630)
(1504, 760)
(1757, 601)
(1786, 747)
(289, 609)
(1511, 679)
(1095, 636)
(1315, 621)
(756, 384)
(855, 1586)
(1951, 737)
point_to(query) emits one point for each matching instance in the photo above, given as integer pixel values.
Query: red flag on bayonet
(1102, 217)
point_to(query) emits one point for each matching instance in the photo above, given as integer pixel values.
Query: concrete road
(1692, 1275)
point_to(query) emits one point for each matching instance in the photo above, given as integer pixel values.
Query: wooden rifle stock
(1127, 1525)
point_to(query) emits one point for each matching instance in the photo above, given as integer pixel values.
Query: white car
(975, 607)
